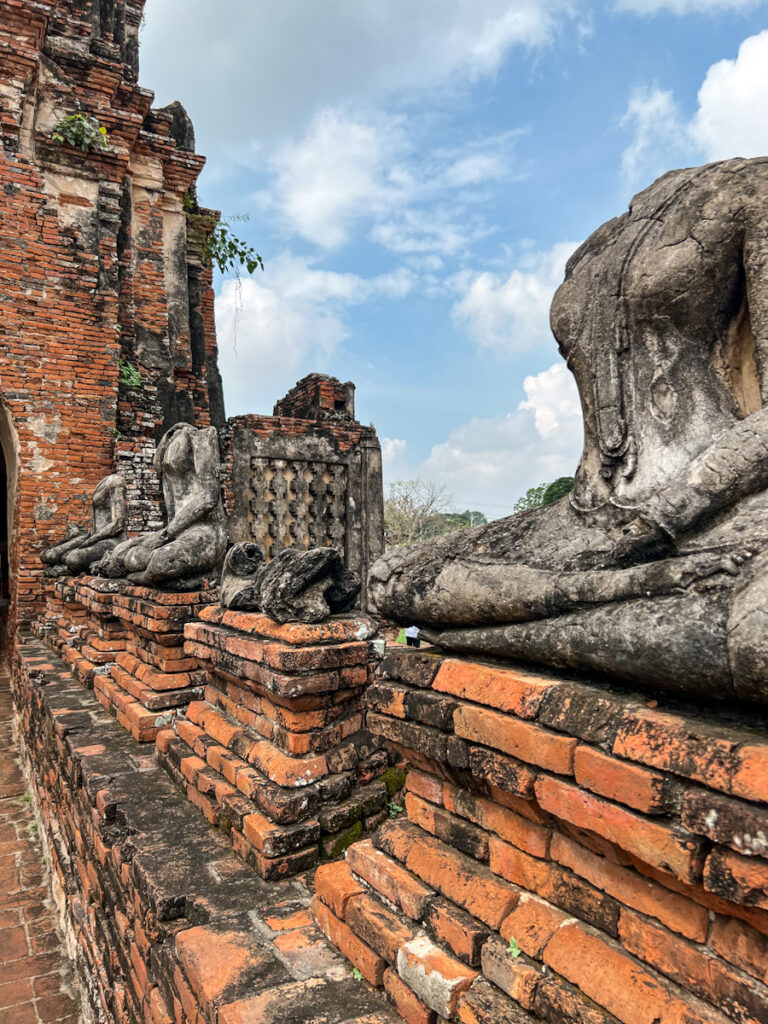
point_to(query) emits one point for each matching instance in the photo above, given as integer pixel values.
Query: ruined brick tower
(101, 273)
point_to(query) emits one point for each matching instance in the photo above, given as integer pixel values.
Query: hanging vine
(229, 254)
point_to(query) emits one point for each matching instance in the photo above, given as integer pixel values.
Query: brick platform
(151, 681)
(571, 852)
(36, 983)
(78, 621)
(170, 927)
(276, 753)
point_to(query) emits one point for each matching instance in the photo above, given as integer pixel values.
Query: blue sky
(415, 174)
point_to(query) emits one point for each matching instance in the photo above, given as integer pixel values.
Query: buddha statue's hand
(640, 540)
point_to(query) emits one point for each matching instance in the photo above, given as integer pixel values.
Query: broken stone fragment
(296, 586)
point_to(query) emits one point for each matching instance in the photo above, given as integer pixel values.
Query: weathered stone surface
(190, 548)
(296, 586)
(654, 569)
(83, 548)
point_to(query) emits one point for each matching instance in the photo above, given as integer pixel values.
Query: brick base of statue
(78, 621)
(276, 752)
(569, 852)
(152, 680)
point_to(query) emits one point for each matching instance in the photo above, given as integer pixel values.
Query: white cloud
(246, 70)
(488, 463)
(394, 457)
(731, 119)
(660, 136)
(511, 315)
(275, 326)
(685, 6)
(553, 398)
(337, 173)
(359, 170)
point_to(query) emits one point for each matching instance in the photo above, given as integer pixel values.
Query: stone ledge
(170, 925)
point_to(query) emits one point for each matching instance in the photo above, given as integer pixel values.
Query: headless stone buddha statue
(82, 548)
(189, 550)
(655, 568)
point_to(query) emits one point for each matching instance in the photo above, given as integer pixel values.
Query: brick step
(231, 795)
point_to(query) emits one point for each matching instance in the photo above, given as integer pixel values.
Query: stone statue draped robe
(654, 569)
(77, 553)
(190, 548)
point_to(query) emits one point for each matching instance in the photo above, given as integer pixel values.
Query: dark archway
(7, 502)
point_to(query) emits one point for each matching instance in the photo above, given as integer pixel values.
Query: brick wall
(309, 476)
(98, 262)
(569, 852)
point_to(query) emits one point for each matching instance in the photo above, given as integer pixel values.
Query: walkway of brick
(35, 978)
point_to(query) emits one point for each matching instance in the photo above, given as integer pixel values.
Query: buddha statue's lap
(191, 547)
(663, 318)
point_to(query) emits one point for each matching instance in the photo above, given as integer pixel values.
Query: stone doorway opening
(7, 494)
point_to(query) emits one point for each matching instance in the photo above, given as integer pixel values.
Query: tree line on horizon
(416, 510)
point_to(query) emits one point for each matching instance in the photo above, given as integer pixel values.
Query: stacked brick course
(276, 752)
(169, 926)
(569, 853)
(152, 680)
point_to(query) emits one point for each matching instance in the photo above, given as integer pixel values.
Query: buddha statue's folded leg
(676, 642)
(196, 552)
(81, 559)
(468, 591)
(748, 633)
(129, 556)
(55, 554)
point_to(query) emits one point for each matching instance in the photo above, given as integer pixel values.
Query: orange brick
(532, 924)
(741, 946)
(377, 926)
(504, 689)
(460, 879)
(463, 934)
(388, 878)
(370, 965)
(436, 978)
(618, 780)
(407, 1004)
(633, 889)
(654, 843)
(736, 878)
(695, 969)
(524, 740)
(505, 823)
(512, 974)
(606, 974)
(335, 886)
(428, 787)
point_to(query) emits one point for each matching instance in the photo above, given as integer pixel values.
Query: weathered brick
(658, 845)
(621, 781)
(436, 978)
(633, 889)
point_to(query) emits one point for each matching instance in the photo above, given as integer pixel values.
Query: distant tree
(408, 508)
(544, 494)
(448, 522)
(557, 489)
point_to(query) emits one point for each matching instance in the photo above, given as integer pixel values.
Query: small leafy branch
(357, 974)
(394, 809)
(227, 252)
(128, 374)
(81, 131)
(513, 949)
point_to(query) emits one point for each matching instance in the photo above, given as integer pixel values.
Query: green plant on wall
(81, 131)
(128, 374)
